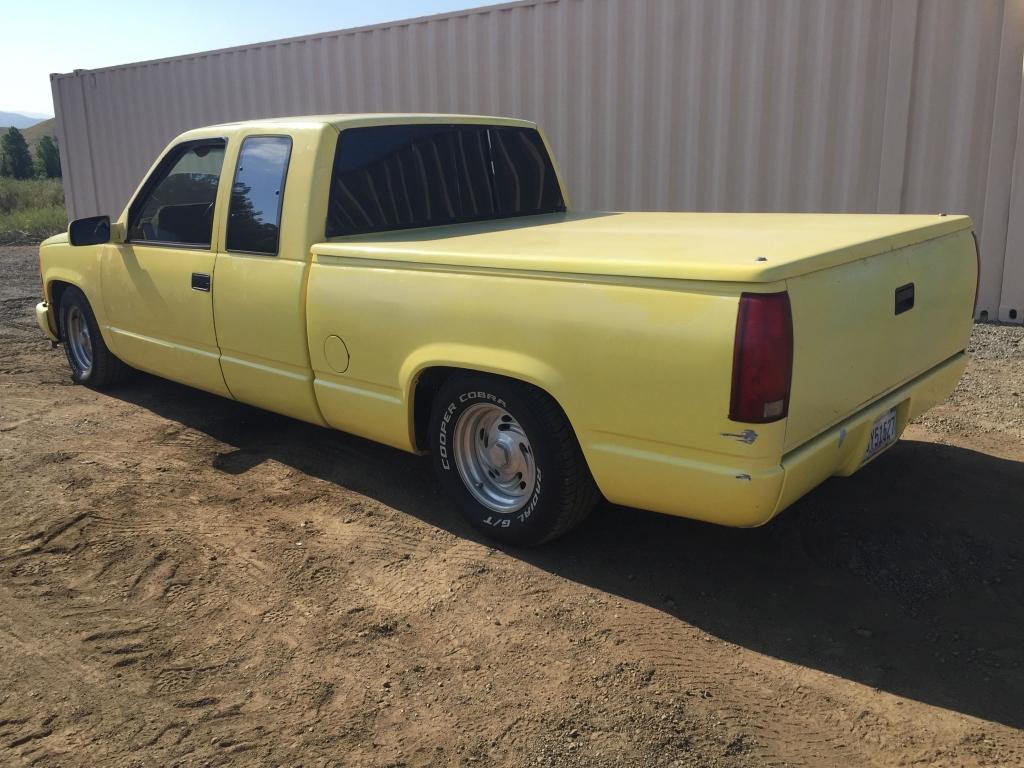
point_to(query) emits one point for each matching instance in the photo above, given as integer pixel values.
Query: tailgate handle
(904, 298)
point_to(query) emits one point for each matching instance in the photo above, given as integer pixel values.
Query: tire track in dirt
(97, 660)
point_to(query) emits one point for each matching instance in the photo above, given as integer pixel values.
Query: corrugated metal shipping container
(796, 105)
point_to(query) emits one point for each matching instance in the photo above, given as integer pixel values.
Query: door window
(254, 218)
(176, 205)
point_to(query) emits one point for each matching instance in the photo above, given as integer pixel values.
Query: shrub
(31, 209)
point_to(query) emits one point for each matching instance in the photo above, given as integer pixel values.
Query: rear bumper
(701, 486)
(839, 451)
(44, 317)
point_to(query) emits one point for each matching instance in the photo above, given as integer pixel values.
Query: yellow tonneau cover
(733, 247)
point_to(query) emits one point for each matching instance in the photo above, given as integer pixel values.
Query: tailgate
(855, 339)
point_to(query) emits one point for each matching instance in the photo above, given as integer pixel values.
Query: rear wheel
(91, 362)
(508, 457)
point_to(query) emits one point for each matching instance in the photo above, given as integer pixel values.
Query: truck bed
(687, 246)
(841, 271)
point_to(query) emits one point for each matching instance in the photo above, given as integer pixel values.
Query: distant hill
(35, 132)
(18, 120)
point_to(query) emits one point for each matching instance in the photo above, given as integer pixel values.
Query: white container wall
(739, 105)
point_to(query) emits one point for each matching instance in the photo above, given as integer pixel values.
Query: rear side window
(176, 205)
(254, 218)
(401, 176)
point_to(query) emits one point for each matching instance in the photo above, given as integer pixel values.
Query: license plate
(883, 434)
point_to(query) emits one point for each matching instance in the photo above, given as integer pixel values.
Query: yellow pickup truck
(420, 280)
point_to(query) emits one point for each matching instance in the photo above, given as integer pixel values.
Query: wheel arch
(55, 290)
(424, 377)
(56, 281)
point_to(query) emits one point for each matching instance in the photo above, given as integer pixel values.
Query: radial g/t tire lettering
(506, 454)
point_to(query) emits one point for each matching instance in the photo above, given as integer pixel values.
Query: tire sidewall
(538, 515)
(74, 297)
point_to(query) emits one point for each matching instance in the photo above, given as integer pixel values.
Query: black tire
(563, 493)
(105, 369)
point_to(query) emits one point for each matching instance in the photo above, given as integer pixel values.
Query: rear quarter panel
(640, 370)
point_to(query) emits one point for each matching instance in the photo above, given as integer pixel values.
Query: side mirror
(91, 231)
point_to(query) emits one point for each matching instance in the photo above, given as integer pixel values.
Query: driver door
(157, 284)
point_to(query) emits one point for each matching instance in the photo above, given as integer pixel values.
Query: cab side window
(254, 218)
(176, 205)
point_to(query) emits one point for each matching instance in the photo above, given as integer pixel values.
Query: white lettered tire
(506, 454)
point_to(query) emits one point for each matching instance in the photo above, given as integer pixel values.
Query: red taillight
(762, 361)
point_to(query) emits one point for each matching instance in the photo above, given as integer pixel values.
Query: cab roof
(351, 120)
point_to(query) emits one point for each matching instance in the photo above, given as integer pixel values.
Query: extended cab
(420, 280)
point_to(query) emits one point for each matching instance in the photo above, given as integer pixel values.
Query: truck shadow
(908, 577)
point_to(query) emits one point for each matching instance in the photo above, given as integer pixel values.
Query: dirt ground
(189, 581)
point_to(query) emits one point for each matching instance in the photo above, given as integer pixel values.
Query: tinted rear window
(401, 176)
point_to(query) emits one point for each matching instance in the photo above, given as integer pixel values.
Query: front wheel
(91, 362)
(507, 455)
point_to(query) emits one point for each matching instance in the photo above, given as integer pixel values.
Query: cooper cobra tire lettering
(443, 436)
(467, 397)
(464, 400)
(563, 491)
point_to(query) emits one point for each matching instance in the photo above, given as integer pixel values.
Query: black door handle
(200, 282)
(904, 298)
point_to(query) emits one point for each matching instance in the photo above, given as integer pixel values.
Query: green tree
(14, 157)
(47, 158)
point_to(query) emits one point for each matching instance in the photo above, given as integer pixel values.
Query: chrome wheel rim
(78, 340)
(494, 458)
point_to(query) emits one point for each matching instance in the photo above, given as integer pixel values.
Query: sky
(61, 36)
